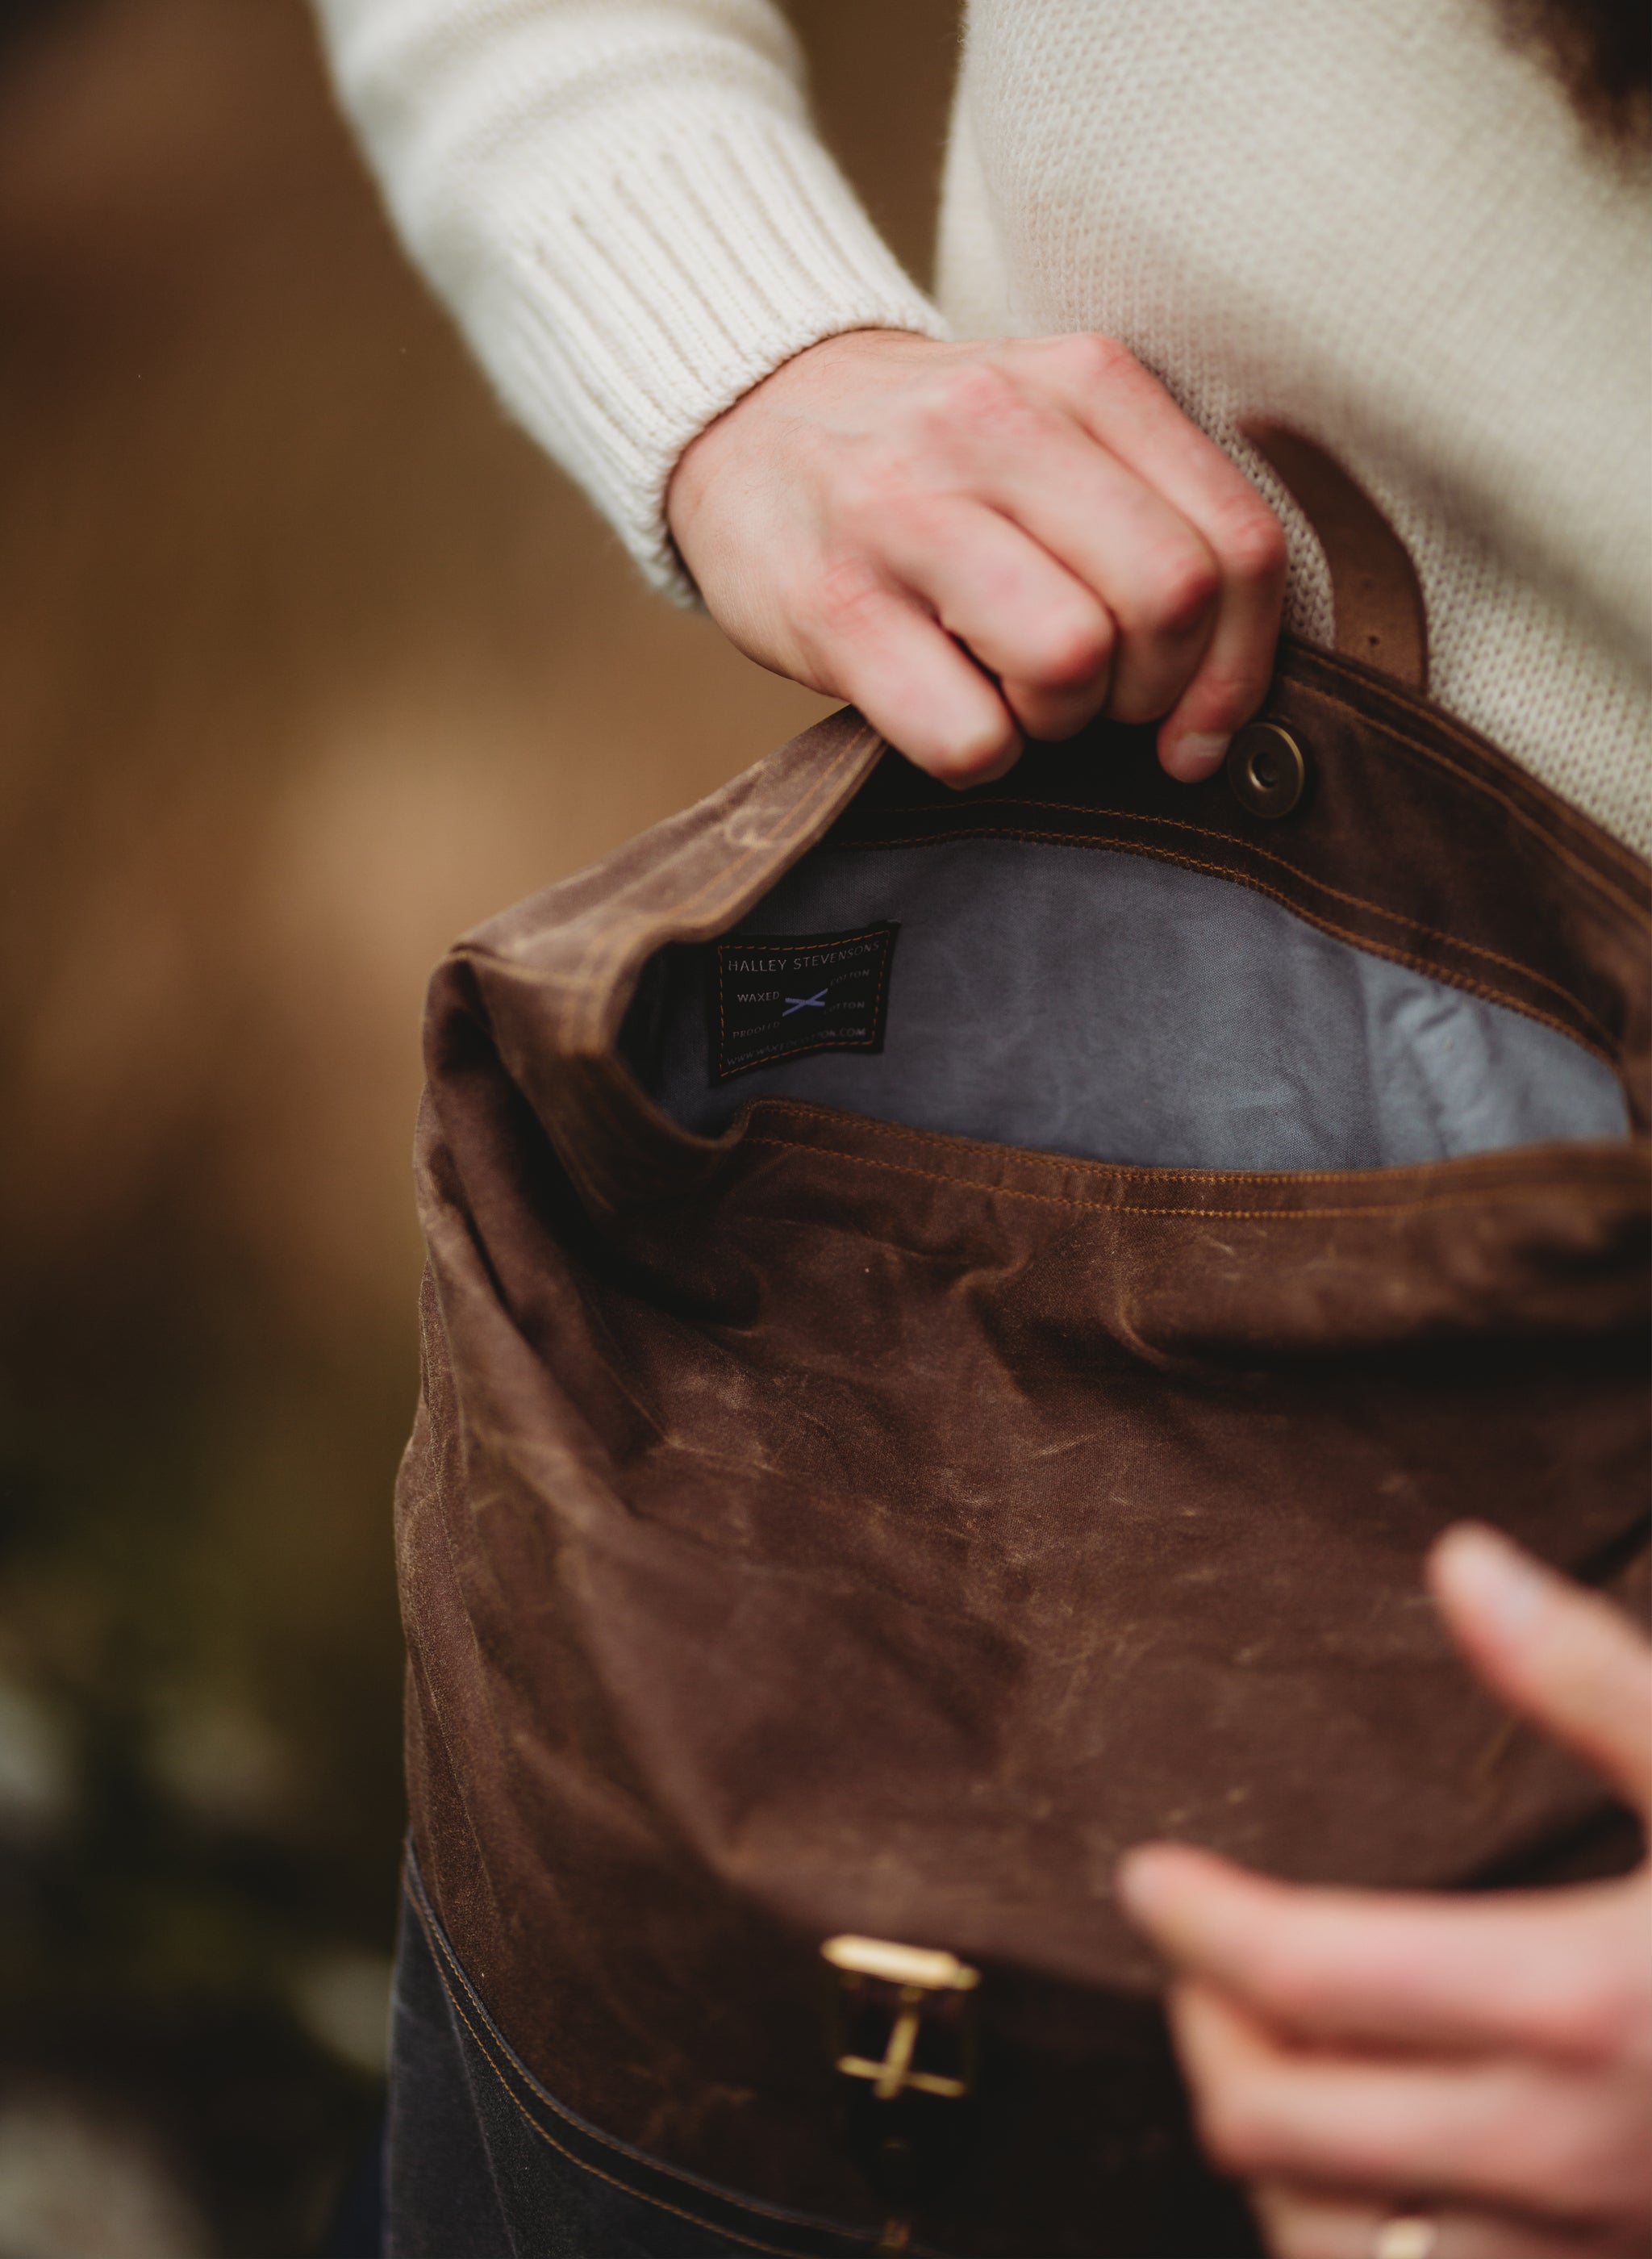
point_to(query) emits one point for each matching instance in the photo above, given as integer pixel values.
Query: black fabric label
(777, 996)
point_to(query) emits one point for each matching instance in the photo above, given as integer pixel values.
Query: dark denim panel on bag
(481, 2159)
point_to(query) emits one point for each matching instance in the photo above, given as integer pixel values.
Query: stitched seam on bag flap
(1139, 1171)
(1483, 1197)
(1602, 1051)
(1249, 847)
(1523, 816)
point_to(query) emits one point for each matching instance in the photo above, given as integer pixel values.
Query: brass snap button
(1267, 770)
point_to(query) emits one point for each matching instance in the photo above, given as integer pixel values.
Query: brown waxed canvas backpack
(951, 1321)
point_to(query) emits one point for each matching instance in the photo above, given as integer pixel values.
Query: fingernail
(1494, 1576)
(1197, 756)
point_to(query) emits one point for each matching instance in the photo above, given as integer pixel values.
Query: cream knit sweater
(1376, 220)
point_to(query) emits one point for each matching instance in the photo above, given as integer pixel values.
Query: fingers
(1045, 635)
(1060, 568)
(1090, 553)
(889, 657)
(1076, 444)
(1499, 2131)
(1233, 676)
(1149, 568)
(1538, 2097)
(1563, 1972)
(1302, 2222)
(1132, 416)
(1566, 1658)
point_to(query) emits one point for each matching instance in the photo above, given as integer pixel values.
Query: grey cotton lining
(1077, 1001)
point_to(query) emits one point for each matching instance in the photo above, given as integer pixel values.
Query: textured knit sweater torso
(1379, 224)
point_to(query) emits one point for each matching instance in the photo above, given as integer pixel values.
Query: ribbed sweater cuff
(679, 276)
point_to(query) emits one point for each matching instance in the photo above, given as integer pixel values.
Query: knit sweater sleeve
(624, 206)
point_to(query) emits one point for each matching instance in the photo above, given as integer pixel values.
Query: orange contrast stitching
(1492, 792)
(1446, 726)
(1136, 1170)
(1355, 941)
(1249, 847)
(1484, 1197)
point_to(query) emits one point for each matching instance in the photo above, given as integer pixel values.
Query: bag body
(951, 1321)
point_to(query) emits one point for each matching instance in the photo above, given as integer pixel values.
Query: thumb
(1563, 1656)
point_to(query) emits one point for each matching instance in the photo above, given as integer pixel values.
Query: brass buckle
(907, 1984)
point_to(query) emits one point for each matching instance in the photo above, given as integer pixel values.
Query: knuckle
(1072, 652)
(1230, 695)
(1252, 544)
(1179, 597)
(975, 756)
(869, 485)
(1190, 593)
(1093, 358)
(975, 392)
(1048, 719)
(845, 599)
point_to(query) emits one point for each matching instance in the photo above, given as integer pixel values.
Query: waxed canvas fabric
(832, 1525)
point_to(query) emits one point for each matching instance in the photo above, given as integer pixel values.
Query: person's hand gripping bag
(953, 1319)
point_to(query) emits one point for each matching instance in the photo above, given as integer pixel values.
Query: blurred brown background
(307, 662)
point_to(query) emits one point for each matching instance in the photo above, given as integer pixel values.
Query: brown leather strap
(1375, 592)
